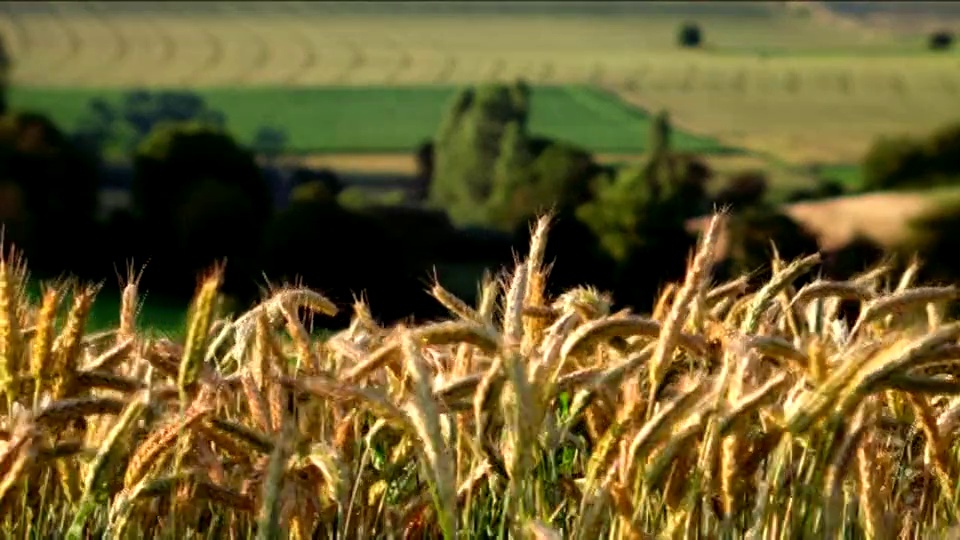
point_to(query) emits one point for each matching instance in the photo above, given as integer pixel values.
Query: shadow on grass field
(157, 314)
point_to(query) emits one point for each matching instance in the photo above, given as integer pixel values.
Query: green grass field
(156, 314)
(386, 119)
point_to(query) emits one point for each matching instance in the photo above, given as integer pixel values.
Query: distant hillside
(714, 8)
(895, 19)
(549, 7)
(904, 18)
(867, 9)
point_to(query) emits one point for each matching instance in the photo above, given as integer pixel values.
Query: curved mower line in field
(73, 47)
(477, 38)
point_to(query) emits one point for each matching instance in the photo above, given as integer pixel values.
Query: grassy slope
(384, 119)
(156, 314)
(805, 109)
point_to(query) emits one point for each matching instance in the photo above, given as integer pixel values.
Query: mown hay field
(796, 83)
(804, 110)
(729, 411)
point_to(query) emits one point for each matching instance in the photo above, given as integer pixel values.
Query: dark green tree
(639, 214)
(893, 162)
(50, 192)
(676, 181)
(323, 185)
(512, 183)
(203, 198)
(689, 35)
(752, 234)
(743, 189)
(468, 145)
(424, 174)
(620, 212)
(636, 225)
(383, 254)
(935, 237)
(537, 177)
(488, 170)
(908, 162)
(858, 255)
(116, 130)
(940, 40)
(942, 149)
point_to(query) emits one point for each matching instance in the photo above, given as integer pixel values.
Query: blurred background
(366, 148)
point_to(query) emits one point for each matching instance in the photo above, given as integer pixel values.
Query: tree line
(200, 197)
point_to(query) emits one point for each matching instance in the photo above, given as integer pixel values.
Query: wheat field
(727, 412)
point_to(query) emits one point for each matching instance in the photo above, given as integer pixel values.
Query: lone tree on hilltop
(690, 36)
(940, 41)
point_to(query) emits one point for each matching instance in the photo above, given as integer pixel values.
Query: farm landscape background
(793, 93)
(357, 369)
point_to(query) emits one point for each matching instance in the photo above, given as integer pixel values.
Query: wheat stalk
(522, 415)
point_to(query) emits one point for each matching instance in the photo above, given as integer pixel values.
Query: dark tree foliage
(858, 255)
(489, 171)
(689, 35)
(203, 199)
(940, 40)
(554, 177)
(942, 150)
(935, 238)
(424, 176)
(347, 254)
(49, 193)
(823, 190)
(572, 251)
(639, 216)
(117, 129)
(827, 188)
(323, 184)
(906, 162)
(743, 189)
(753, 233)
(893, 162)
